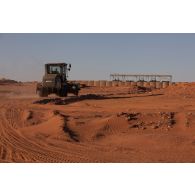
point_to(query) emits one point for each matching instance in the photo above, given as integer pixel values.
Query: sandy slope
(110, 125)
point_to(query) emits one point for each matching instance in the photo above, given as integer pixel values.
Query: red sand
(110, 125)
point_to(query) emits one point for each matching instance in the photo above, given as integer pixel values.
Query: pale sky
(95, 56)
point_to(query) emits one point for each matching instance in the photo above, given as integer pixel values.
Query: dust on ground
(111, 124)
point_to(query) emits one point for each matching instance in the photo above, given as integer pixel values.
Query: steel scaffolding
(140, 77)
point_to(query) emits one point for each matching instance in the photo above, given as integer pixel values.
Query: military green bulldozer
(55, 81)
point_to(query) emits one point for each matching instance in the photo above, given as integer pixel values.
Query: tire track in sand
(17, 148)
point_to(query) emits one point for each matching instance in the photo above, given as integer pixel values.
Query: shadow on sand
(69, 100)
(72, 135)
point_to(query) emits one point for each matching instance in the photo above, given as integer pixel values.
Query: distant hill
(7, 81)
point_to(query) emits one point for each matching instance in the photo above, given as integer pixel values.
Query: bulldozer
(55, 81)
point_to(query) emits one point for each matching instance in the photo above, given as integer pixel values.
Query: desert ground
(111, 124)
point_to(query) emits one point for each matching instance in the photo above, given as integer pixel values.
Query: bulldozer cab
(57, 69)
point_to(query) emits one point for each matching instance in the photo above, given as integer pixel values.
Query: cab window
(54, 70)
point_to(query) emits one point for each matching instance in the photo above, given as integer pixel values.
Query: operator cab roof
(59, 64)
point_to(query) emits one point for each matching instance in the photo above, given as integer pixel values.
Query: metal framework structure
(140, 77)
